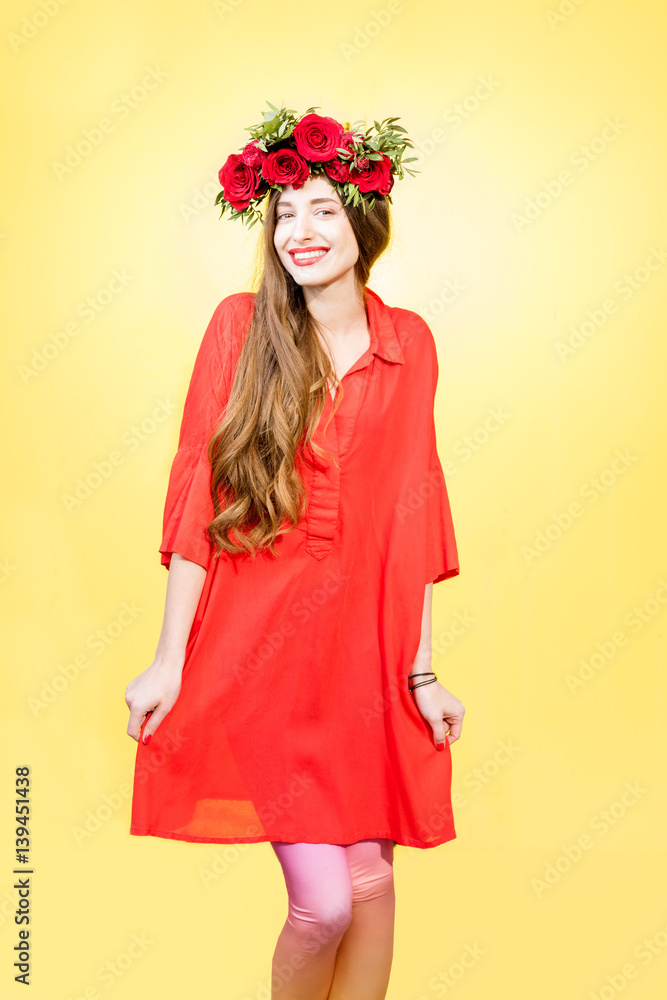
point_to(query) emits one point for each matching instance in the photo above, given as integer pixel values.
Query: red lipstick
(301, 252)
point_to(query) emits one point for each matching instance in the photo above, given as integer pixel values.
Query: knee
(322, 923)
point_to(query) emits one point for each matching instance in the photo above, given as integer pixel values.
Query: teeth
(304, 254)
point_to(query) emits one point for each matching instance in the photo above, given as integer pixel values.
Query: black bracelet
(420, 683)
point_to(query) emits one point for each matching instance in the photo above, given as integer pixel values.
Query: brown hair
(277, 395)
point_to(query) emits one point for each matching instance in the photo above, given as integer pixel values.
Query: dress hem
(403, 842)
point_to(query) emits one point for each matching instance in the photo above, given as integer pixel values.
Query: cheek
(351, 248)
(346, 242)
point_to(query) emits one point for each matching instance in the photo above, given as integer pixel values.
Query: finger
(455, 727)
(135, 723)
(153, 722)
(438, 728)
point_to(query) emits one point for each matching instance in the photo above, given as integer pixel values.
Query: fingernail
(438, 746)
(148, 738)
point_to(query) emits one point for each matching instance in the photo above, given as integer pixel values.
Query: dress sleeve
(442, 558)
(442, 553)
(188, 506)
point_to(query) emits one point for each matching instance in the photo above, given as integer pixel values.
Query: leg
(363, 961)
(319, 890)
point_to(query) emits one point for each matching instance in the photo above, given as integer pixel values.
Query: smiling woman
(303, 217)
(313, 230)
(303, 531)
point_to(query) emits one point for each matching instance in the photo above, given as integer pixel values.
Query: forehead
(286, 202)
(315, 191)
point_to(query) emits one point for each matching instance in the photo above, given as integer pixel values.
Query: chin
(311, 279)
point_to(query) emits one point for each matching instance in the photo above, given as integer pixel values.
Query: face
(313, 236)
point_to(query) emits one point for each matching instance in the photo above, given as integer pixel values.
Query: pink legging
(337, 942)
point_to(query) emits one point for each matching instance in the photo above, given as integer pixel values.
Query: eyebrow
(313, 201)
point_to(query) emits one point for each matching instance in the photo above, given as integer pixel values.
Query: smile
(309, 256)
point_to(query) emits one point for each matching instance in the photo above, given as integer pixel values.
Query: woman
(291, 698)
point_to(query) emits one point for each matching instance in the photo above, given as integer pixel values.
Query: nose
(303, 227)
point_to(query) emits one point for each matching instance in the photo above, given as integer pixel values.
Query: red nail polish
(148, 738)
(440, 746)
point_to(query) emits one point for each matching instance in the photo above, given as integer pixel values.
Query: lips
(304, 256)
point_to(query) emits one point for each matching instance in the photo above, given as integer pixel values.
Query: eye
(327, 211)
(281, 215)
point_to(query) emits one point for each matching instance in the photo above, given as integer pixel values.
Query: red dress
(294, 721)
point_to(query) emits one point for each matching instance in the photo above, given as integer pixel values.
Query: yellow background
(536, 85)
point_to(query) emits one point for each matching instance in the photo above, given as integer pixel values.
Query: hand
(440, 709)
(153, 692)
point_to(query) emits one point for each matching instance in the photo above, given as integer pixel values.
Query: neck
(339, 306)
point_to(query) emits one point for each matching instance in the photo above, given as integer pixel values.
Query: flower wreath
(285, 149)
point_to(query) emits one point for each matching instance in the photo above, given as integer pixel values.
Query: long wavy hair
(277, 396)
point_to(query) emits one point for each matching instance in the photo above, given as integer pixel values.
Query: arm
(156, 689)
(188, 509)
(435, 703)
(423, 659)
(184, 586)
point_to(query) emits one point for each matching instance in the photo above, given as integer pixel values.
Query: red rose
(337, 171)
(317, 138)
(240, 182)
(347, 140)
(285, 166)
(373, 175)
(253, 155)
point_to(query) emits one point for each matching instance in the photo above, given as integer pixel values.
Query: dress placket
(322, 516)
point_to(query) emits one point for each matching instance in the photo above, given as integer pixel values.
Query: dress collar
(384, 341)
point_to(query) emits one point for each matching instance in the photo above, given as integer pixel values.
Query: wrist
(422, 661)
(169, 660)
